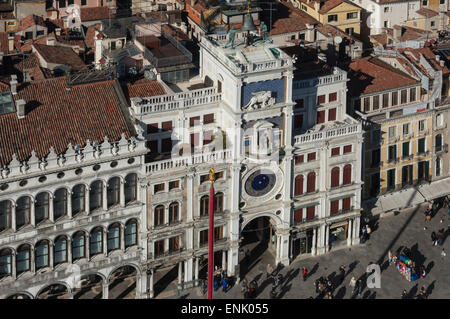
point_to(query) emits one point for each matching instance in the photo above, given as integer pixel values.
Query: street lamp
(211, 233)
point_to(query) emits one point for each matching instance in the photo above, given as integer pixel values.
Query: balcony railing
(182, 162)
(441, 148)
(176, 101)
(393, 139)
(327, 134)
(342, 211)
(392, 160)
(407, 157)
(408, 136)
(423, 132)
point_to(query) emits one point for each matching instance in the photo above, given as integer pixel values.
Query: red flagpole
(211, 235)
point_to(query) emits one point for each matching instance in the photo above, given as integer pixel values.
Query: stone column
(283, 243)
(69, 204)
(320, 240)
(105, 197)
(13, 217)
(314, 242)
(151, 292)
(288, 128)
(190, 195)
(50, 254)
(122, 237)
(327, 235)
(180, 275)
(13, 265)
(69, 250)
(356, 226)
(86, 204)
(349, 232)
(88, 237)
(234, 224)
(32, 261)
(105, 242)
(105, 290)
(196, 272)
(122, 193)
(224, 260)
(141, 285)
(51, 213)
(188, 283)
(32, 214)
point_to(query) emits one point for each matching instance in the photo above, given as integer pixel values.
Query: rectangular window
(299, 159)
(335, 151)
(334, 206)
(346, 202)
(113, 238)
(203, 237)
(366, 104)
(78, 247)
(218, 233)
(41, 256)
(347, 149)
(159, 188)
(40, 33)
(321, 99)
(62, 3)
(392, 132)
(299, 104)
(421, 145)
(23, 260)
(310, 212)
(166, 145)
(350, 31)
(174, 244)
(386, 9)
(320, 117)
(386, 23)
(193, 121)
(311, 157)
(298, 215)
(403, 96)
(83, 2)
(166, 126)
(332, 97)
(332, 114)
(204, 178)
(208, 118)
(332, 17)
(394, 98)
(174, 185)
(385, 99)
(405, 149)
(421, 125)
(405, 129)
(391, 179)
(392, 152)
(412, 94)
(159, 248)
(298, 121)
(375, 102)
(352, 15)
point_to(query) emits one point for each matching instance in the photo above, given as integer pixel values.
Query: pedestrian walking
(428, 215)
(440, 237)
(342, 270)
(434, 238)
(352, 283)
(443, 254)
(204, 286)
(244, 286)
(359, 283)
(304, 273)
(269, 270)
(364, 234)
(423, 272)
(273, 294)
(390, 260)
(216, 284)
(404, 294)
(316, 284)
(280, 279)
(224, 284)
(423, 293)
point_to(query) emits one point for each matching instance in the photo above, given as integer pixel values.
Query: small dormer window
(113, 45)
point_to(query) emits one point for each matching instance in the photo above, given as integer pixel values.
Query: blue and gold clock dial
(260, 183)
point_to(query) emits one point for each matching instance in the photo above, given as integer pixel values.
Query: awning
(436, 189)
(401, 199)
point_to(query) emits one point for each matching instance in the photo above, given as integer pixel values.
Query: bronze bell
(248, 24)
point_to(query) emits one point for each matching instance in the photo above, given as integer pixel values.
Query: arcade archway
(122, 283)
(55, 291)
(257, 244)
(90, 287)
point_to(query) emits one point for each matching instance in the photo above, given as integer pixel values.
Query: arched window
(78, 199)
(113, 237)
(5, 262)
(159, 215)
(113, 191)
(41, 254)
(23, 260)
(311, 182)
(439, 120)
(438, 142)
(130, 188)
(60, 203)
(218, 203)
(335, 177)
(5, 215)
(41, 207)
(130, 233)
(173, 212)
(298, 187)
(60, 250)
(96, 241)
(23, 211)
(78, 246)
(96, 195)
(347, 174)
(204, 205)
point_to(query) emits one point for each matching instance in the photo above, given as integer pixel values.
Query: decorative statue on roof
(264, 31)
(231, 36)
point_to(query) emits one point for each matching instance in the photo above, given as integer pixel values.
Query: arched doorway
(90, 287)
(257, 245)
(55, 291)
(122, 283)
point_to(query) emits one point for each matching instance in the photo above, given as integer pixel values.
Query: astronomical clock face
(259, 183)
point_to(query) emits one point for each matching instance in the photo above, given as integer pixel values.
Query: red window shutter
(167, 126)
(321, 99)
(311, 182)
(334, 206)
(299, 159)
(335, 177)
(320, 117)
(332, 97)
(166, 145)
(298, 215)
(208, 118)
(347, 149)
(347, 174)
(152, 128)
(207, 137)
(310, 212)
(194, 120)
(335, 151)
(298, 121)
(346, 203)
(311, 156)
(298, 185)
(332, 114)
(195, 139)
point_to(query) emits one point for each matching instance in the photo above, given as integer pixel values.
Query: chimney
(397, 32)
(13, 84)
(438, 57)
(76, 49)
(58, 31)
(20, 105)
(51, 41)
(442, 63)
(11, 44)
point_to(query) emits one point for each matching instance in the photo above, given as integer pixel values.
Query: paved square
(391, 233)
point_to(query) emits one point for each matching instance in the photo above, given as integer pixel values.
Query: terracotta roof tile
(291, 19)
(56, 117)
(30, 21)
(370, 74)
(95, 13)
(427, 12)
(4, 43)
(331, 30)
(60, 55)
(145, 88)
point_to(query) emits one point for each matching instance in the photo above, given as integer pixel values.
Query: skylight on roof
(6, 103)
